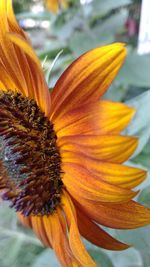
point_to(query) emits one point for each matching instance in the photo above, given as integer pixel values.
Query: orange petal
(82, 182)
(12, 20)
(54, 229)
(38, 228)
(52, 232)
(26, 221)
(114, 149)
(20, 61)
(63, 223)
(128, 215)
(7, 52)
(87, 78)
(77, 247)
(41, 93)
(98, 118)
(6, 81)
(115, 174)
(21, 42)
(96, 235)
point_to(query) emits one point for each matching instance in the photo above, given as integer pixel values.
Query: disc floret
(30, 162)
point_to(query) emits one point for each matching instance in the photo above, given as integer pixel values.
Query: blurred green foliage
(22, 6)
(74, 31)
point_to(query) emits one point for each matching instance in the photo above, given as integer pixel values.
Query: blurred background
(58, 39)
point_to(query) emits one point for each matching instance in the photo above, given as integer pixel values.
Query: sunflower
(62, 152)
(54, 5)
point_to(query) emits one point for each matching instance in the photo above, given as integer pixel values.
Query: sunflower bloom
(54, 5)
(62, 153)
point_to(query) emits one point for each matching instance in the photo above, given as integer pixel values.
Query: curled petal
(76, 245)
(38, 228)
(59, 241)
(128, 215)
(96, 235)
(56, 230)
(52, 232)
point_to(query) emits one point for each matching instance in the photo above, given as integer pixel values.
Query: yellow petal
(85, 184)
(115, 174)
(87, 78)
(98, 118)
(12, 20)
(19, 41)
(114, 149)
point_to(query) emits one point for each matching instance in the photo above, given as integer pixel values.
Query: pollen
(30, 164)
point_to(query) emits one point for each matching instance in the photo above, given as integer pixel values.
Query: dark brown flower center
(30, 165)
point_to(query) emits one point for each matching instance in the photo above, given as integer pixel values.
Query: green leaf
(45, 259)
(110, 26)
(103, 7)
(7, 215)
(140, 125)
(116, 92)
(2, 263)
(144, 197)
(143, 159)
(101, 34)
(147, 149)
(67, 29)
(139, 165)
(144, 136)
(37, 16)
(101, 258)
(139, 238)
(52, 50)
(135, 71)
(142, 117)
(126, 258)
(15, 240)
